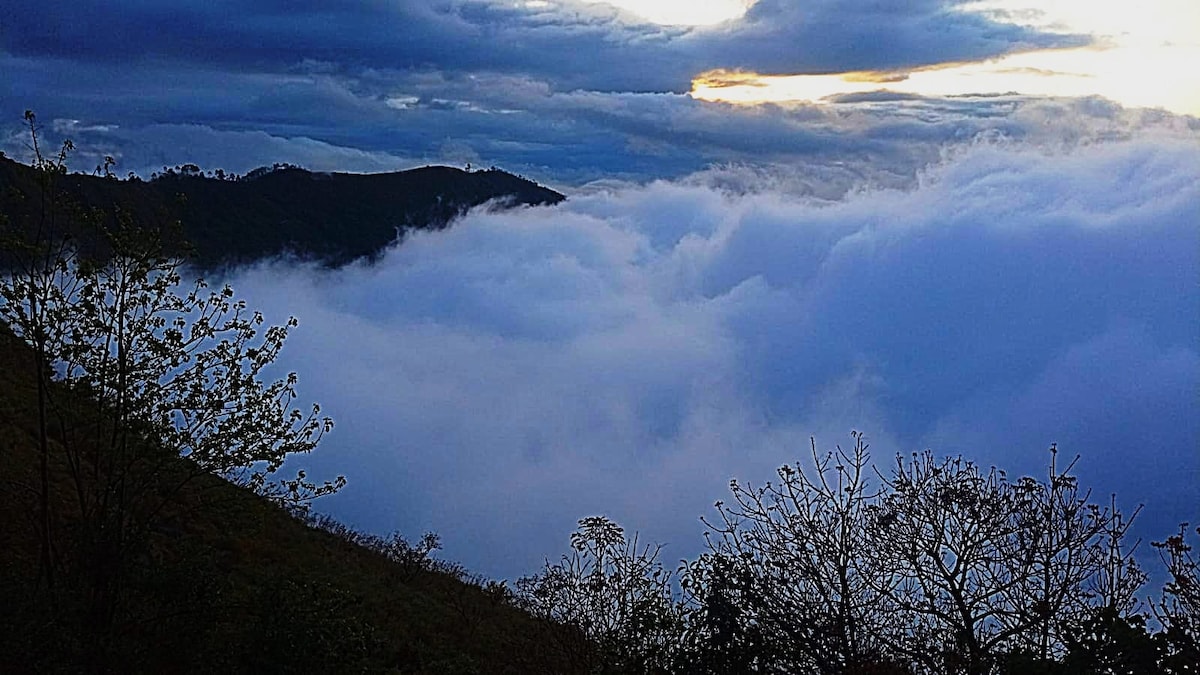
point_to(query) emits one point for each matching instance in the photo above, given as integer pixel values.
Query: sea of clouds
(631, 350)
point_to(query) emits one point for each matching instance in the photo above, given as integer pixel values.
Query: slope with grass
(223, 580)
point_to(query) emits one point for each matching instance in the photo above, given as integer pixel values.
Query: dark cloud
(508, 82)
(790, 37)
(632, 349)
(568, 137)
(574, 46)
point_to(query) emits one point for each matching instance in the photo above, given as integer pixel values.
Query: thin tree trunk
(45, 533)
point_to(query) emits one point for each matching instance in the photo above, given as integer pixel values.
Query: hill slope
(331, 217)
(218, 579)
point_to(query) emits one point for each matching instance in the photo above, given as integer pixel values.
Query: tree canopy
(936, 567)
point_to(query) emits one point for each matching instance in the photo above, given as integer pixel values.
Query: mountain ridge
(331, 218)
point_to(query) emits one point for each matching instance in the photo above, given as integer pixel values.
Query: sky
(963, 226)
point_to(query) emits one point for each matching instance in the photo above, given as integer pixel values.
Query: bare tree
(989, 568)
(939, 567)
(615, 593)
(33, 303)
(800, 564)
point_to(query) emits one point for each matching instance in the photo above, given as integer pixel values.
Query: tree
(795, 563)
(722, 634)
(940, 567)
(612, 593)
(1178, 609)
(1105, 641)
(986, 567)
(156, 384)
(31, 302)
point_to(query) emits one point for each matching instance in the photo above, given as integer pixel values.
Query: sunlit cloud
(1141, 57)
(742, 87)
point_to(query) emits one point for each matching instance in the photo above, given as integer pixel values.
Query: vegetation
(615, 595)
(939, 567)
(224, 580)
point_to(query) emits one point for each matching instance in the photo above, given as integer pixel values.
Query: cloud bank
(631, 350)
(570, 138)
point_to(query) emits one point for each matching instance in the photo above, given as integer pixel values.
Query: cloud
(1143, 380)
(142, 150)
(378, 119)
(789, 37)
(630, 350)
(571, 44)
(981, 274)
(569, 91)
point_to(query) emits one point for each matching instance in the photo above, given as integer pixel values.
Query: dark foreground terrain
(209, 577)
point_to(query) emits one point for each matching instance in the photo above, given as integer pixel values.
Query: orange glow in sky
(1146, 55)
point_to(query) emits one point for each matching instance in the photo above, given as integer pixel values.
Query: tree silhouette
(612, 592)
(1178, 609)
(145, 371)
(938, 567)
(796, 561)
(987, 567)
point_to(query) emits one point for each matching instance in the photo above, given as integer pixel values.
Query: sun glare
(1143, 56)
(682, 12)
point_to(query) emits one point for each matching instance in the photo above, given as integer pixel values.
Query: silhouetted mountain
(330, 217)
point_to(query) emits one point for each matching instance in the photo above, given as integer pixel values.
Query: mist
(631, 350)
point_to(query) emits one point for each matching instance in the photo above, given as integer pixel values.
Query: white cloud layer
(631, 350)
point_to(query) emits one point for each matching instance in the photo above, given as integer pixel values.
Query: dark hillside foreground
(225, 581)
